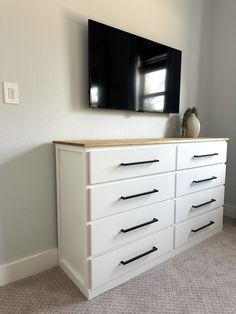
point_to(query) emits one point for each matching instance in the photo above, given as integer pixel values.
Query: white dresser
(126, 206)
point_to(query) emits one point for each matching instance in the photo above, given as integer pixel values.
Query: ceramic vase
(193, 126)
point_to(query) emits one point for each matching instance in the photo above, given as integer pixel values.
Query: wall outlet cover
(11, 93)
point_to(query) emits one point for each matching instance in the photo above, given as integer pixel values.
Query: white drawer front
(108, 266)
(115, 164)
(189, 230)
(190, 181)
(106, 200)
(191, 155)
(116, 230)
(197, 203)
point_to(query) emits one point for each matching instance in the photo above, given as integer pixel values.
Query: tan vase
(193, 126)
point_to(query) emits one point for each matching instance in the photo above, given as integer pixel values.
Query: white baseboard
(230, 210)
(27, 266)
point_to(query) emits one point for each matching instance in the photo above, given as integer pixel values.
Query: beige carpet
(200, 280)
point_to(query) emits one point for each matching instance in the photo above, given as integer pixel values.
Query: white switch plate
(11, 93)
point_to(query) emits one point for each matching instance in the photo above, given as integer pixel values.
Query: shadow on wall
(27, 204)
(173, 126)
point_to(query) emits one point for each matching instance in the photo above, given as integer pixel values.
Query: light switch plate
(11, 93)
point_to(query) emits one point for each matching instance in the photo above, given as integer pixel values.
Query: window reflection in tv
(129, 72)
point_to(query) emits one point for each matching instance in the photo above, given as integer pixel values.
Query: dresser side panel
(72, 212)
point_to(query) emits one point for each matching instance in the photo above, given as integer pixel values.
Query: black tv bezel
(126, 109)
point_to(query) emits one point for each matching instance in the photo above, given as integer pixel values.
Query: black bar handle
(205, 226)
(207, 155)
(208, 179)
(140, 226)
(140, 194)
(203, 204)
(139, 162)
(139, 256)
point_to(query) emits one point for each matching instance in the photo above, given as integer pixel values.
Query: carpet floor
(200, 280)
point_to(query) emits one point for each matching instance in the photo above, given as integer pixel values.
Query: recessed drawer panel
(190, 181)
(113, 198)
(116, 230)
(197, 203)
(200, 154)
(195, 227)
(120, 261)
(115, 164)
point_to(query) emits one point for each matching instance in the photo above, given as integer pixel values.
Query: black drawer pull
(203, 204)
(140, 226)
(140, 194)
(208, 179)
(207, 155)
(139, 256)
(139, 162)
(210, 223)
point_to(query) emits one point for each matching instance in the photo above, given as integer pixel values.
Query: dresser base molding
(89, 294)
(74, 276)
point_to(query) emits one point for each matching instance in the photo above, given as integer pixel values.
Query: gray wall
(217, 87)
(44, 50)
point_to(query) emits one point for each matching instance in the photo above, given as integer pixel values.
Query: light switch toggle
(11, 93)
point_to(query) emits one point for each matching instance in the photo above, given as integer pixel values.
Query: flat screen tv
(128, 72)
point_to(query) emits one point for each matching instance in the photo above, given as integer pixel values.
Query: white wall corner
(230, 210)
(28, 266)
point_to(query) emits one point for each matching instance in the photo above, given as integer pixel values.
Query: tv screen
(128, 72)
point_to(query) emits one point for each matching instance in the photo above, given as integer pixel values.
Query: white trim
(230, 210)
(27, 266)
(74, 276)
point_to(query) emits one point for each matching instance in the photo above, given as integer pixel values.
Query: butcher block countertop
(129, 142)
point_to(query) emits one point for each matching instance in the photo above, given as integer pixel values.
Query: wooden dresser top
(128, 142)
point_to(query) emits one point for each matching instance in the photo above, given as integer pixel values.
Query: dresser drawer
(113, 198)
(190, 181)
(120, 261)
(115, 164)
(195, 227)
(197, 203)
(200, 154)
(116, 230)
